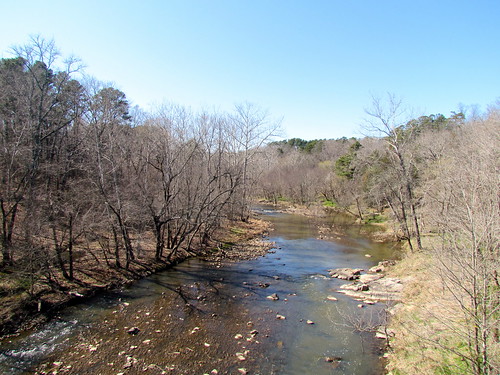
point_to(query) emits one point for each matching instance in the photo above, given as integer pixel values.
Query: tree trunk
(8, 220)
(59, 253)
(70, 249)
(117, 248)
(160, 237)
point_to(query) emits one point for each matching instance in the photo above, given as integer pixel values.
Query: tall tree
(386, 119)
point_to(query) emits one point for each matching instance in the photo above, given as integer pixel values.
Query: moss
(238, 230)
(375, 219)
(329, 203)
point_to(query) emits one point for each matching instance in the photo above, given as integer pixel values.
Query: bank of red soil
(20, 310)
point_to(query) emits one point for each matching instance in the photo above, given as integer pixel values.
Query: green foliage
(329, 203)
(344, 166)
(237, 230)
(433, 123)
(299, 144)
(375, 218)
(355, 146)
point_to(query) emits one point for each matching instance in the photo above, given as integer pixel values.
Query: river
(202, 318)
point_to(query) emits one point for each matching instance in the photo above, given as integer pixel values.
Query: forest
(88, 180)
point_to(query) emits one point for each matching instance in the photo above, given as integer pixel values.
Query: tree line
(85, 174)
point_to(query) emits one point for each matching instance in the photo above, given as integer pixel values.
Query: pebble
(133, 331)
(333, 359)
(240, 356)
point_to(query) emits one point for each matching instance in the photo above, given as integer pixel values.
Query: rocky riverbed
(372, 286)
(275, 314)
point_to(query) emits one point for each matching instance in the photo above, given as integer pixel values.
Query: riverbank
(22, 309)
(203, 319)
(431, 326)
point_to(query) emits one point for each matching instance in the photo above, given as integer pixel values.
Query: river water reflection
(221, 302)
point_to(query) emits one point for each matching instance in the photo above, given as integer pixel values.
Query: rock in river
(133, 331)
(273, 297)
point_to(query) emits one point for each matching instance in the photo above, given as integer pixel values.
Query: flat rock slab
(383, 289)
(368, 278)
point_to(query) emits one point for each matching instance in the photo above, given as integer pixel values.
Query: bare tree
(39, 104)
(386, 119)
(251, 127)
(462, 203)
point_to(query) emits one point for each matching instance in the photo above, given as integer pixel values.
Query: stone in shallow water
(273, 297)
(333, 359)
(133, 331)
(240, 356)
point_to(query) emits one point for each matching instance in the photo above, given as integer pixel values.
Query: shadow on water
(296, 271)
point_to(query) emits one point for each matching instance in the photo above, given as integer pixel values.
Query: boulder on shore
(346, 273)
(383, 289)
(382, 266)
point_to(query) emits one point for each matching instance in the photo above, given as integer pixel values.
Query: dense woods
(87, 177)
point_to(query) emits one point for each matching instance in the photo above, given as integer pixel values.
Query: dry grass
(430, 327)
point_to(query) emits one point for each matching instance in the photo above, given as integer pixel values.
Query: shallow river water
(199, 318)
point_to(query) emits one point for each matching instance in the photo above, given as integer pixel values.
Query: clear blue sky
(314, 63)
